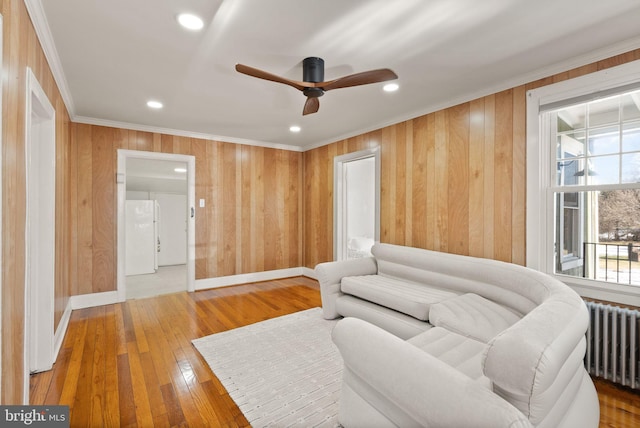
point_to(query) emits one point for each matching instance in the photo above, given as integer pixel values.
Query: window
(583, 182)
(598, 148)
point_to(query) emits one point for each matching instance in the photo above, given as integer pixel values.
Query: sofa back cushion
(513, 286)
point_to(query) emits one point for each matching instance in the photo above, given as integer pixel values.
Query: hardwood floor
(133, 365)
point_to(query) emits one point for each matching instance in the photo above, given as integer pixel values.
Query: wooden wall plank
(458, 180)
(503, 170)
(419, 183)
(476, 177)
(84, 266)
(103, 218)
(199, 148)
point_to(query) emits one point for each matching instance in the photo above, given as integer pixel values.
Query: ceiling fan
(312, 84)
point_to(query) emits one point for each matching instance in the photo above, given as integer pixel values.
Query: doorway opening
(156, 236)
(40, 173)
(357, 204)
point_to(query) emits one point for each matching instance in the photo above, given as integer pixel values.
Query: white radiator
(612, 344)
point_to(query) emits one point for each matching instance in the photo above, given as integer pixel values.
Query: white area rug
(282, 372)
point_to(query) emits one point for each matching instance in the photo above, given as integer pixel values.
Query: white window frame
(540, 201)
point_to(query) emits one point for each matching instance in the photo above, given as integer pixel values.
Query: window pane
(631, 106)
(631, 168)
(571, 145)
(604, 141)
(631, 137)
(602, 170)
(598, 239)
(569, 172)
(572, 117)
(603, 112)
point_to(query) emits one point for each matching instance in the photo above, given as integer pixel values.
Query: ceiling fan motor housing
(313, 69)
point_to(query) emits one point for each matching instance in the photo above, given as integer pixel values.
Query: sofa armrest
(330, 274)
(411, 387)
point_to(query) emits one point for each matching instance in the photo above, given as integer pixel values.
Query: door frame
(40, 222)
(121, 179)
(1, 148)
(339, 163)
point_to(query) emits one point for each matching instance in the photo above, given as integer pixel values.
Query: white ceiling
(110, 57)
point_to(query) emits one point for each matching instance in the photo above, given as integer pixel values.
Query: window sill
(607, 291)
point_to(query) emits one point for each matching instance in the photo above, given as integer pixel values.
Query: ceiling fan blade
(364, 78)
(311, 105)
(261, 74)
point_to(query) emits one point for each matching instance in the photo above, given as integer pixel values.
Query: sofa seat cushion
(460, 352)
(403, 296)
(472, 316)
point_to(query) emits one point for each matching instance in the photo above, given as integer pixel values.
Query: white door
(141, 241)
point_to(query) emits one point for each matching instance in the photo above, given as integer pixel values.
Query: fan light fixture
(190, 21)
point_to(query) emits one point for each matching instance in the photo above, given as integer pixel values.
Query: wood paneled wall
(251, 221)
(453, 180)
(21, 49)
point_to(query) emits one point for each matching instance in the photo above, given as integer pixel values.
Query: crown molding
(39, 20)
(182, 133)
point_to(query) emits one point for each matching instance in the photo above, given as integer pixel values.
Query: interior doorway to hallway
(156, 224)
(356, 204)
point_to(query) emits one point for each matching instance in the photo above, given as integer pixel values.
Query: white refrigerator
(142, 244)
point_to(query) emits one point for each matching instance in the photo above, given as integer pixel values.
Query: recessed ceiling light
(180, 169)
(190, 21)
(391, 87)
(294, 128)
(154, 104)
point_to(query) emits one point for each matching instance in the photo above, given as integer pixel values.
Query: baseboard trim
(225, 281)
(58, 337)
(83, 301)
(311, 273)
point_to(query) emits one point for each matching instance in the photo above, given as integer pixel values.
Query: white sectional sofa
(442, 340)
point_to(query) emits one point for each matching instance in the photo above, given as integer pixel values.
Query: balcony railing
(611, 262)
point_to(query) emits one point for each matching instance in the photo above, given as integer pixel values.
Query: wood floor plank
(98, 374)
(127, 408)
(71, 379)
(82, 404)
(111, 393)
(107, 380)
(172, 405)
(144, 418)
